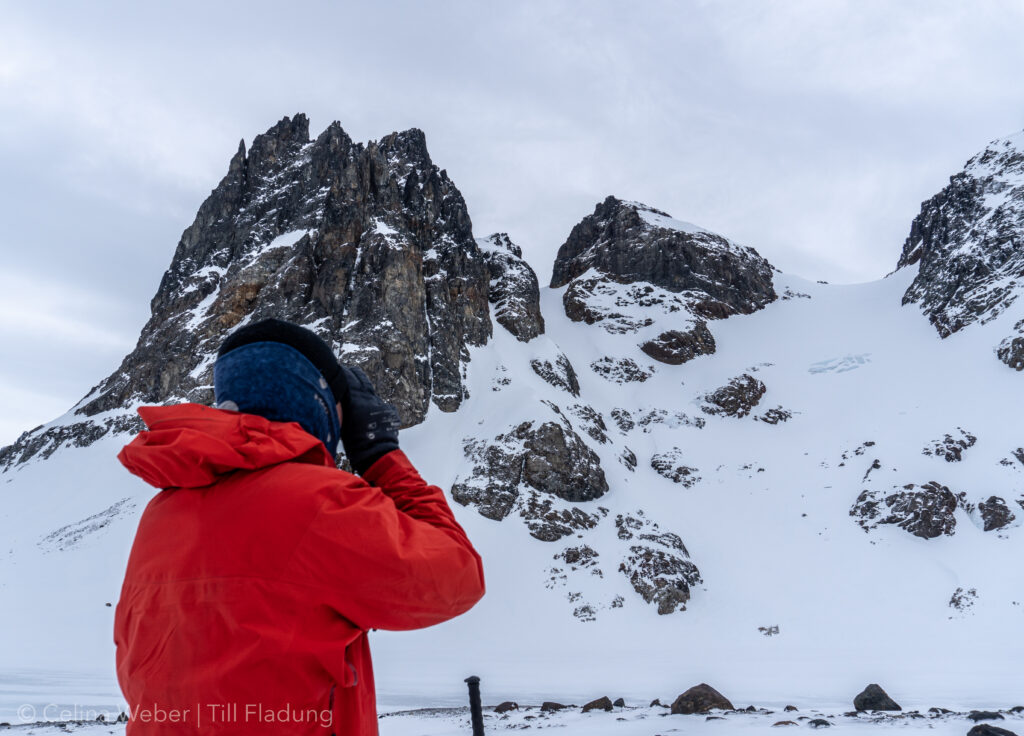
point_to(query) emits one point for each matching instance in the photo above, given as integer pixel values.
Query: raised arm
(392, 556)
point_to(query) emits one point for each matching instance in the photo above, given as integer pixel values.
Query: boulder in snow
(700, 699)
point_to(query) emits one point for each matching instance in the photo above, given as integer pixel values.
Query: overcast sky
(809, 130)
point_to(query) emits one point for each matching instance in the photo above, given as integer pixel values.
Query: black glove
(369, 425)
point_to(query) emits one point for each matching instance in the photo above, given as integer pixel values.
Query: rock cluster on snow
(559, 373)
(926, 511)
(950, 448)
(669, 465)
(735, 399)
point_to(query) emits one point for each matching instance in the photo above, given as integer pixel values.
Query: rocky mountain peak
(632, 242)
(271, 150)
(968, 245)
(628, 266)
(370, 246)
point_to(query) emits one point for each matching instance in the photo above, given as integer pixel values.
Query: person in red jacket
(259, 568)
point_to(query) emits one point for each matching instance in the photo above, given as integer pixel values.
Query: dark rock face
(657, 565)
(506, 706)
(700, 699)
(493, 483)
(560, 463)
(675, 347)
(533, 466)
(591, 422)
(874, 697)
(559, 373)
(736, 398)
(623, 420)
(602, 703)
(514, 289)
(660, 577)
(966, 242)
(370, 246)
(627, 266)
(925, 511)
(549, 523)
(628, 458)
(995, 514)
(637, 243)
(549, 706)
(1011, 349)
(622, 370)
(579, 556)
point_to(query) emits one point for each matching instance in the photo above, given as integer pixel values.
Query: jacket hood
(191, 445)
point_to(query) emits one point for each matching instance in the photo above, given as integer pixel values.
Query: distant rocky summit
(630, 242)
(369, 245)
(629, 267)
(968, 245)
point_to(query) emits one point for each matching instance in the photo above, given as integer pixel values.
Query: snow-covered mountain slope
(968, 244)
(691, 468)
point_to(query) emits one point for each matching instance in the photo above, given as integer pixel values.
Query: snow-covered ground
(628, 721)
(768, 526)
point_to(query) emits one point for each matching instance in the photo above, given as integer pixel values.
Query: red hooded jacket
(257, 573)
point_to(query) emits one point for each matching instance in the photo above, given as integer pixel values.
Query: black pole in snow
(476, 715)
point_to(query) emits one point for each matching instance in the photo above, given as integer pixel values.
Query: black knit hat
(305, 341)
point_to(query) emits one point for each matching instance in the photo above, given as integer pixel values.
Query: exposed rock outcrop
(558, 372)
(736, 399)
(636, 243)
(995, 514)
(950, 448)
(514, 290)
(632, 269)
(622, 370)
(670, 465)
(676, 347)
(534, 466)
(926, 511)
(966, 243)
(657, 564)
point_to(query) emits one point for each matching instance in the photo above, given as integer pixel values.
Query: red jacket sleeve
(391, 555)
